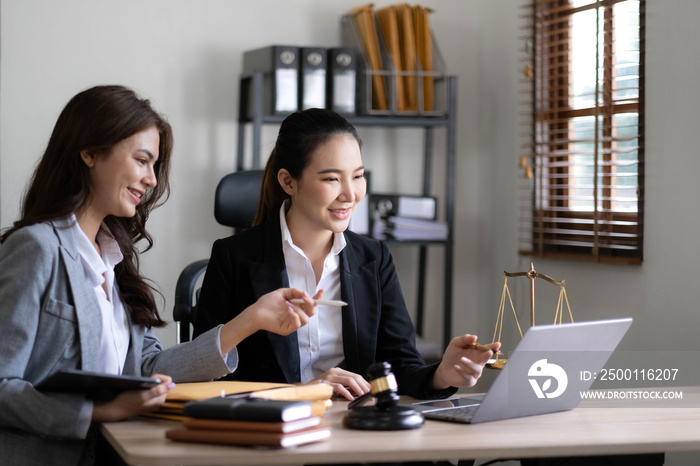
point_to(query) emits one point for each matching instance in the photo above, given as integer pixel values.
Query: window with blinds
(583, 149)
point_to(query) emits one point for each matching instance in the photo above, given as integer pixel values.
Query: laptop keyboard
(461, 414)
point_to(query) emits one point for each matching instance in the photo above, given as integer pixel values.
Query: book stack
(242, 420)
(406, 217)
(409, 229)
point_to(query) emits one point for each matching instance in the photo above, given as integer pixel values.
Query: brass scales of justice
(498, 362)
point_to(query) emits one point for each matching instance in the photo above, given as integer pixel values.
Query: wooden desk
(595, 428)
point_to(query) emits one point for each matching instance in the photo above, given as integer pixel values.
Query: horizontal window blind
(582, 153)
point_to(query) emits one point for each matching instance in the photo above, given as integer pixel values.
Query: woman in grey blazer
(72, 295)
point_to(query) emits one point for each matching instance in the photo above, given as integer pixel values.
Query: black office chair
(235, 204)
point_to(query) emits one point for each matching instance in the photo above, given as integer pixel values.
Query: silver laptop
(546, 372)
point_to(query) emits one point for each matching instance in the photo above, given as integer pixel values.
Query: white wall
(186, 57)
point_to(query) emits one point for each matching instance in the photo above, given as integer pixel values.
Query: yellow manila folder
(301, 392)
(273, 391)
(364, 19)
(203, 390)
(407, 43)
(424, 50)
(388, 22)
(318, 393)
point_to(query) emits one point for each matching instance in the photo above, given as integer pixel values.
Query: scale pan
(496, 364)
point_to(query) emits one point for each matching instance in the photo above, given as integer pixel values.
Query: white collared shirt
(321, 340)
(114, 341)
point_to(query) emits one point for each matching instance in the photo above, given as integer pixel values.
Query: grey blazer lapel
(87, 309)
(132, 365)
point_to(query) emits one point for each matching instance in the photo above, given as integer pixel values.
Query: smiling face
(330, 187)
(121, 177)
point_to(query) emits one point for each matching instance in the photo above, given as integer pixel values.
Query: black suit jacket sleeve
(376, 323)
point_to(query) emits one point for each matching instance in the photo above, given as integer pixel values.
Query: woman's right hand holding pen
(272, 312)
(276, 313)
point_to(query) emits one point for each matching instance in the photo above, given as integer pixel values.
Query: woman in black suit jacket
(312, 183)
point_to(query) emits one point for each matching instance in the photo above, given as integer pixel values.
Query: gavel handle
(360, 400)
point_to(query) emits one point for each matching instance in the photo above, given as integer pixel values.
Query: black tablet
(96, 386)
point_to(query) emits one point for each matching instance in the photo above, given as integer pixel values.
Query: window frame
(556, 230)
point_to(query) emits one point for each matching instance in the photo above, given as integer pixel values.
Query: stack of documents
(404, 228)
(319, 394)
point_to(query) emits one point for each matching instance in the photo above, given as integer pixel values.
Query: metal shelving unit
(251, 87)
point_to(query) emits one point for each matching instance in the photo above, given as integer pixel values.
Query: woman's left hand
(461, 365)
(345, 383)
(133, 402)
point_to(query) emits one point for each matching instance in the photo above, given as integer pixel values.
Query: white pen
(327, 302)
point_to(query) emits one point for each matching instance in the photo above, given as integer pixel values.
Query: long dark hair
(96, 120)
(300, 134)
